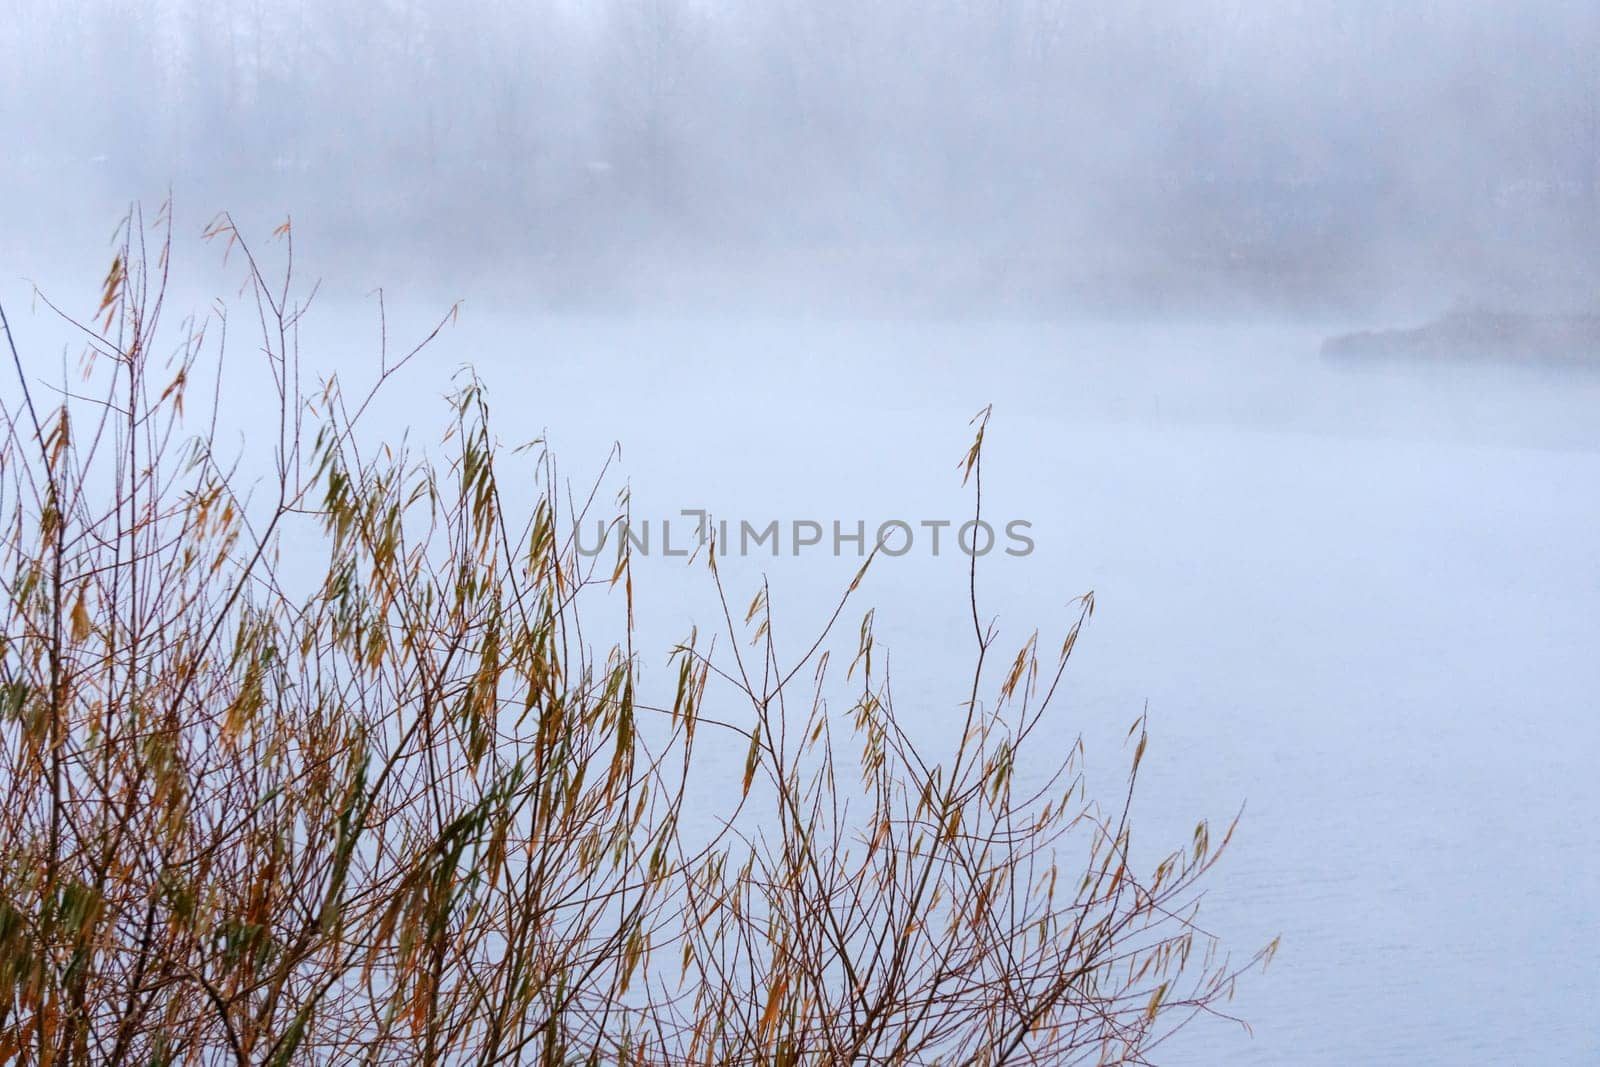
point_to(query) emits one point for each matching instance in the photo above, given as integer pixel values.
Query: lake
(1362, 601)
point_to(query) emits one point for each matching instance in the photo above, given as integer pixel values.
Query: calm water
(1364, 602)
(1367, 603)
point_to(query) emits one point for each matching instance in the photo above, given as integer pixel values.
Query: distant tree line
(1211, 132)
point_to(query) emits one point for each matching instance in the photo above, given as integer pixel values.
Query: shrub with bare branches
(391, 804)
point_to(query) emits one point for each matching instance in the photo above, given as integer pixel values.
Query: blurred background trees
(1291, 149)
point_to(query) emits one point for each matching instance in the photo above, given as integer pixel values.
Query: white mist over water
(1362, 601)
(1366, 602)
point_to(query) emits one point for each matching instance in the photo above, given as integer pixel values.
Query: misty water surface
(1364, 601)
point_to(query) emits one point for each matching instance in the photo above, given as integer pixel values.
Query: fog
(965, 156)
(782, 251)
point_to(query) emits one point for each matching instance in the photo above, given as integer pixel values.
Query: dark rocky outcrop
(1480, 335)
